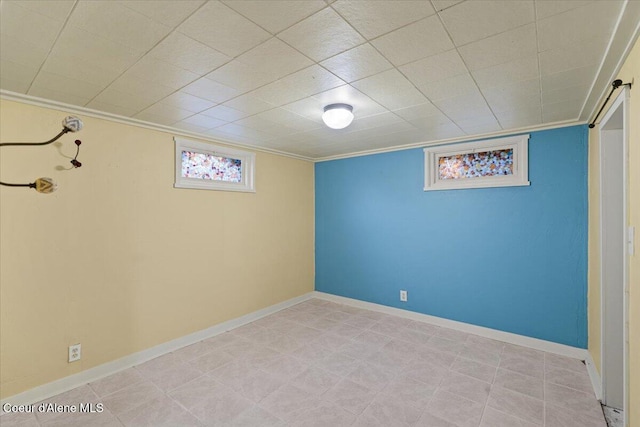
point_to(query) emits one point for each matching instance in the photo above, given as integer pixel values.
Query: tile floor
(324, 364)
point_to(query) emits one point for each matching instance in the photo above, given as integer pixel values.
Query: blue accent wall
(510, 258)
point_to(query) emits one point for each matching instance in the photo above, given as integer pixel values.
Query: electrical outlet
(75, 352)
(403, 296)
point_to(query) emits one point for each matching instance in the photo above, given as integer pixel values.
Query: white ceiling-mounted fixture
(338, 116)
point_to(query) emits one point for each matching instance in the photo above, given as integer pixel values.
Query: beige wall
(629, 72)
(119, 260)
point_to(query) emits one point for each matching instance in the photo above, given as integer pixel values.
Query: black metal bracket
(615, 85)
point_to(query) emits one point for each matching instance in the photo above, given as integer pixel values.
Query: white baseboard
(65, 384)
(53, 388)
(594, 376)
(508, 337)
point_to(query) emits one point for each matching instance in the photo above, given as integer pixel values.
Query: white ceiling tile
(415, 41)
(113, 109)
(137, 87)
(161, 72)
(222, 112)
(464, 107)
(575, 93)
(514, 102)
(438, 67)
(501, 48)
(57, 95)
(166, 111)
(189, 127)
(75, 45)
(243, 131)
(572, 77)
(27, 25)
(208, 89)
(20, 75)
(276, 15)
(580, 55)
(482, 129)
(125, 99)
(515, 122)
(373, 19)
(565, 110)
(275, 58)
(513, 96)
(79, 70)
(184, 52)
(64, 84)
(248, 104)
(54, 9)
(521, 69)
(223, 29)
(432, 121)
(546, 8)
(362, 105)
(289, 119)
(477, 121)
(312, 80)
(239, 76)
(187, 102)
(20, 52)
(266, 126)
(417, 111)
(375, 121)
(322, 35)
(167, 12)
(470, 21)
(117, 23)
(452, 87)
(154, 118)
(391, 90)
(444, 131)
(440, 5)
(278, 93)
(203, 121)
(357, 63)
(567, 29)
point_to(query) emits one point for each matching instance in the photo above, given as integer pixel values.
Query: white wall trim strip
(56, 105)
(93, 374)
(508, 337)
(594, 376)
(53, 388)
(69, 108)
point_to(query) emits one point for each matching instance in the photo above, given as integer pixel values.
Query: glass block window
(501, 162)
(474, 165)
(207, 166)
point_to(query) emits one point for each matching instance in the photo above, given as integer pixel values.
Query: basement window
(206, 166)
(501, 162)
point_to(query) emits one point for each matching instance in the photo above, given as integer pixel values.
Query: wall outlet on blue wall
(403, 296)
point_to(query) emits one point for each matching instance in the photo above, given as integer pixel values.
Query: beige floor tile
(517, 405)
(524, 384)
(455, 409)
(474, 369)
(465, 386)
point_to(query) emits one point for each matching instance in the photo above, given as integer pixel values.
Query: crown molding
(56, 105)
(509, 132)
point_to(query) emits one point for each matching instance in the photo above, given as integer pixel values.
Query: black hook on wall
(616, 84)
(47, 185)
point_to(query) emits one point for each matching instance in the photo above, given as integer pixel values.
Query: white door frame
(621, 101)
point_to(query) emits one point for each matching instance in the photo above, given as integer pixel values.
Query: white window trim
(248, 167)
(520, 177)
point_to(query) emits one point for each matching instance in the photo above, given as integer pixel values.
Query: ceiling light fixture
(338, 116)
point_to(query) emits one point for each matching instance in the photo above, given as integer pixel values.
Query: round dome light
(338, 116)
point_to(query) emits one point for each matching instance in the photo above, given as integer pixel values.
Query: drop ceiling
(259, 73)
